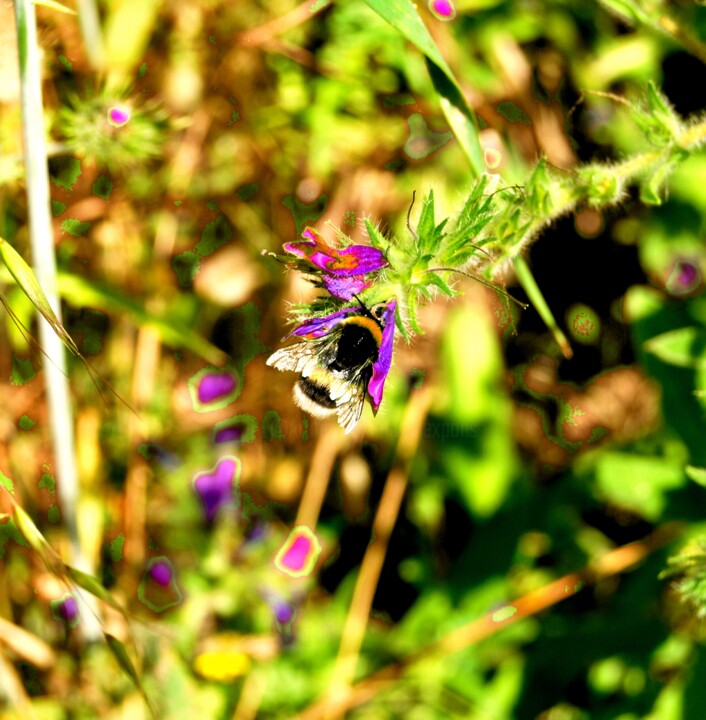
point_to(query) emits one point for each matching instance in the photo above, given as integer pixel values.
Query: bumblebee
(340, 362)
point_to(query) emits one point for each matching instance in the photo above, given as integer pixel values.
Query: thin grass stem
(42, 243)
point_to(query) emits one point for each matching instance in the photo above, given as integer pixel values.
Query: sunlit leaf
(27, 280)
(685, 347)
(403, 15)
(88, 582)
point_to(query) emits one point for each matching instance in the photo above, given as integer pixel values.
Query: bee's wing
(350, 406)
(299, 357)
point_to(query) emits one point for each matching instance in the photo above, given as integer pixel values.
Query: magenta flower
(119, 115)
(216, 488)
(66, 610)
(159, 589)
(299, 553)
(215, 385)
(381, 367)
(161, 572)
(342, 270)
(213, 388)
(685, 277)
(442, 9)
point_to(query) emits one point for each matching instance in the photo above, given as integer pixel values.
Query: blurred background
(186, 138)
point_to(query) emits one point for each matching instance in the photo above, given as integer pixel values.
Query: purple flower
(159, 589)
(299, 553)
(216, 488)
(342, 270)
(161, 572)
(381, 367)
(282, 610)
(215, 385)
(119, 115)
(442, 9)
(685, 277)
(213, 388)
(66, 610)
(319, 327)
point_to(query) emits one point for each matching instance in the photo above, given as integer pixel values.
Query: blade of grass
(524, 275)
(41, 238)
(403, 16)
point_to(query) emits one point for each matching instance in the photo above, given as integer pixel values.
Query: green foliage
(524, 572)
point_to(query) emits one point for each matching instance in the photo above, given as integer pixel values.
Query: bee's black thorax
(358, 344)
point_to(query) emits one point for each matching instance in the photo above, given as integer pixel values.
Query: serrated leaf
(653, 188)
(685, 347)
(425, 226)
(377, 239)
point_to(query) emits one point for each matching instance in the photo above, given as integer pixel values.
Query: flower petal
(318, 327)
(356, 260)
(346, 262)
(345, 287)
(381, 367)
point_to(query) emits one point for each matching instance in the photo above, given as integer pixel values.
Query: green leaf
(93, 586)
(55, 6)
(638, 483)
(697, 474)
(27, 280)
(425, 227)
(171, 331)
(529, 284)
(36, 540)
(685, 347)
(121, 655)
(403, 16)
(476, 447)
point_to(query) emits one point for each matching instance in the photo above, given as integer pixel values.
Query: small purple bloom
(161, 572)
(687, 273)
(119, 115)
(69, 609)
(216, 488)
(283, 612)
(685, 277)
(442, 9)
(381, 367)
(66, 610)
(237, 429)
(158, 589)
(215, 385)
(231, 433)
(299, 553)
